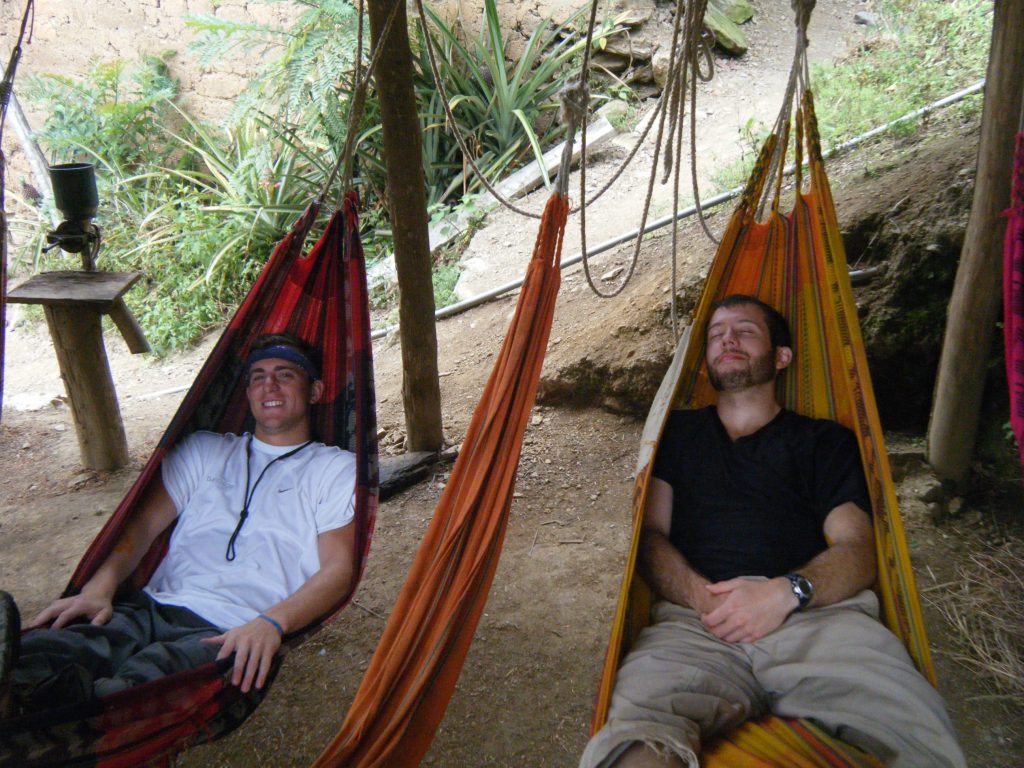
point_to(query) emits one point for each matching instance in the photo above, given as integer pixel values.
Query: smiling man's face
(280, 394)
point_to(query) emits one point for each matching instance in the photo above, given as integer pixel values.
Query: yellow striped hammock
(795, 262)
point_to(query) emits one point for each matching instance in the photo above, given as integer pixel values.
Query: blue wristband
(278, 627)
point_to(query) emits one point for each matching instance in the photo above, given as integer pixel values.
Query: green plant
(196, 210)
(751, 136)
(504, 112)
(113, 113)
(924, 50)
(307, 78)
(446, 275)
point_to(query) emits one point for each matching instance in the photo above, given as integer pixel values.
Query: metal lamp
(74, 192)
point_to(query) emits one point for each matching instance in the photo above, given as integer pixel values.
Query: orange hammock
(796, 263)
(412, 675)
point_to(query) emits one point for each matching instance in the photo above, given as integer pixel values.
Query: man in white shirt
(263, 546)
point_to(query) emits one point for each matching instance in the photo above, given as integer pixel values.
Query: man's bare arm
(255, 643)
(848, 565)
(752, 609)
(663, 566)
(94, 602)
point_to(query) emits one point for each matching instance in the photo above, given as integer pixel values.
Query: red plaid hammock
(321, 298)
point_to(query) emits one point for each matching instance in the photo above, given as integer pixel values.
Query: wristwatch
(802, 588)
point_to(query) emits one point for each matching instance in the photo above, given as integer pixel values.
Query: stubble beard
(759, 370)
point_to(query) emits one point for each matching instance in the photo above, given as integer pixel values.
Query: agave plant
(498, 107)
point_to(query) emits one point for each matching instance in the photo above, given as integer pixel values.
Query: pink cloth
(1013, 297)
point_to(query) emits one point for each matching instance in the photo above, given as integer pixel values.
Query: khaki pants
(837, 665)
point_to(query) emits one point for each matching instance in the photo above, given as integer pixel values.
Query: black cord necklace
(229, 554)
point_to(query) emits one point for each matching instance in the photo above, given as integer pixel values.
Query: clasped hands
(745, 610)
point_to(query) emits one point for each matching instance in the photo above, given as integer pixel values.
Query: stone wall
(71, 35)
(520, 18)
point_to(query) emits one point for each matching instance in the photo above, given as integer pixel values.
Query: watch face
(802, 588)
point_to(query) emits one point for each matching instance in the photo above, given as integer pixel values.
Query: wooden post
(407, 203)
(78, 338)
(974, 305)
(74, 303)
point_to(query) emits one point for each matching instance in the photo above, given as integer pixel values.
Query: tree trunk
(407, 202)
(974, 305)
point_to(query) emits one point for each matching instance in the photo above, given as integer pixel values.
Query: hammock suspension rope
(6, 89)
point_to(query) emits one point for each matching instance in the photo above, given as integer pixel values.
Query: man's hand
(749, 609)
(254, 645)
(96, 610)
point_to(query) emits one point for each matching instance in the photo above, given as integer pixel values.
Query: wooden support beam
(74, 303)
(974, 305)
(78, 341)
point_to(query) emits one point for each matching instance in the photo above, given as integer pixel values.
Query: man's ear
(315, 391)
(783, 357)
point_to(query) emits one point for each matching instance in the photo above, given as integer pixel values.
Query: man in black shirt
(757, 537)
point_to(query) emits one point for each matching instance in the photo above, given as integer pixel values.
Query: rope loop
(705, 55)
(575, 97)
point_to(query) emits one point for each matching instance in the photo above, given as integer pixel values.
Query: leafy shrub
(924, 50)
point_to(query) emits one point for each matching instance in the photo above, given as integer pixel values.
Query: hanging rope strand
(662, 111)
(6, 89)
(356, 106)
(456, 133)
(798, 78)
(706, 42)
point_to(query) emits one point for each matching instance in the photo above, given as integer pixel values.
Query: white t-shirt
(299, 497)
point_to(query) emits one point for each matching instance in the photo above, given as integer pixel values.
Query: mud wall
(69, 37)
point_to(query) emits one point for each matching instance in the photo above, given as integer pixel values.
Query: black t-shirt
(756, 506)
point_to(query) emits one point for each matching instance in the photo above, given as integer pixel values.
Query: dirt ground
(525, 695)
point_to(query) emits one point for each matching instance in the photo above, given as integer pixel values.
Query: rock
(737, 11)
(537, 420)
(728, 36)
(973, 517)
(609, 62)
(639, 76)
(937, 511)
(612, 274)
(865, 18)
(451, 453)
(904, 462)
(616, 112)
(399, 472)
(956, 506)
(81, 479)
(659, 66)
(630, 47)
(932, 491)
(633, 13)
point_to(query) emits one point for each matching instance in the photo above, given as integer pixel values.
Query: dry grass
(985, 606)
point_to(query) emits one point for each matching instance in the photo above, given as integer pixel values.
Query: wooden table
(74, 303)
